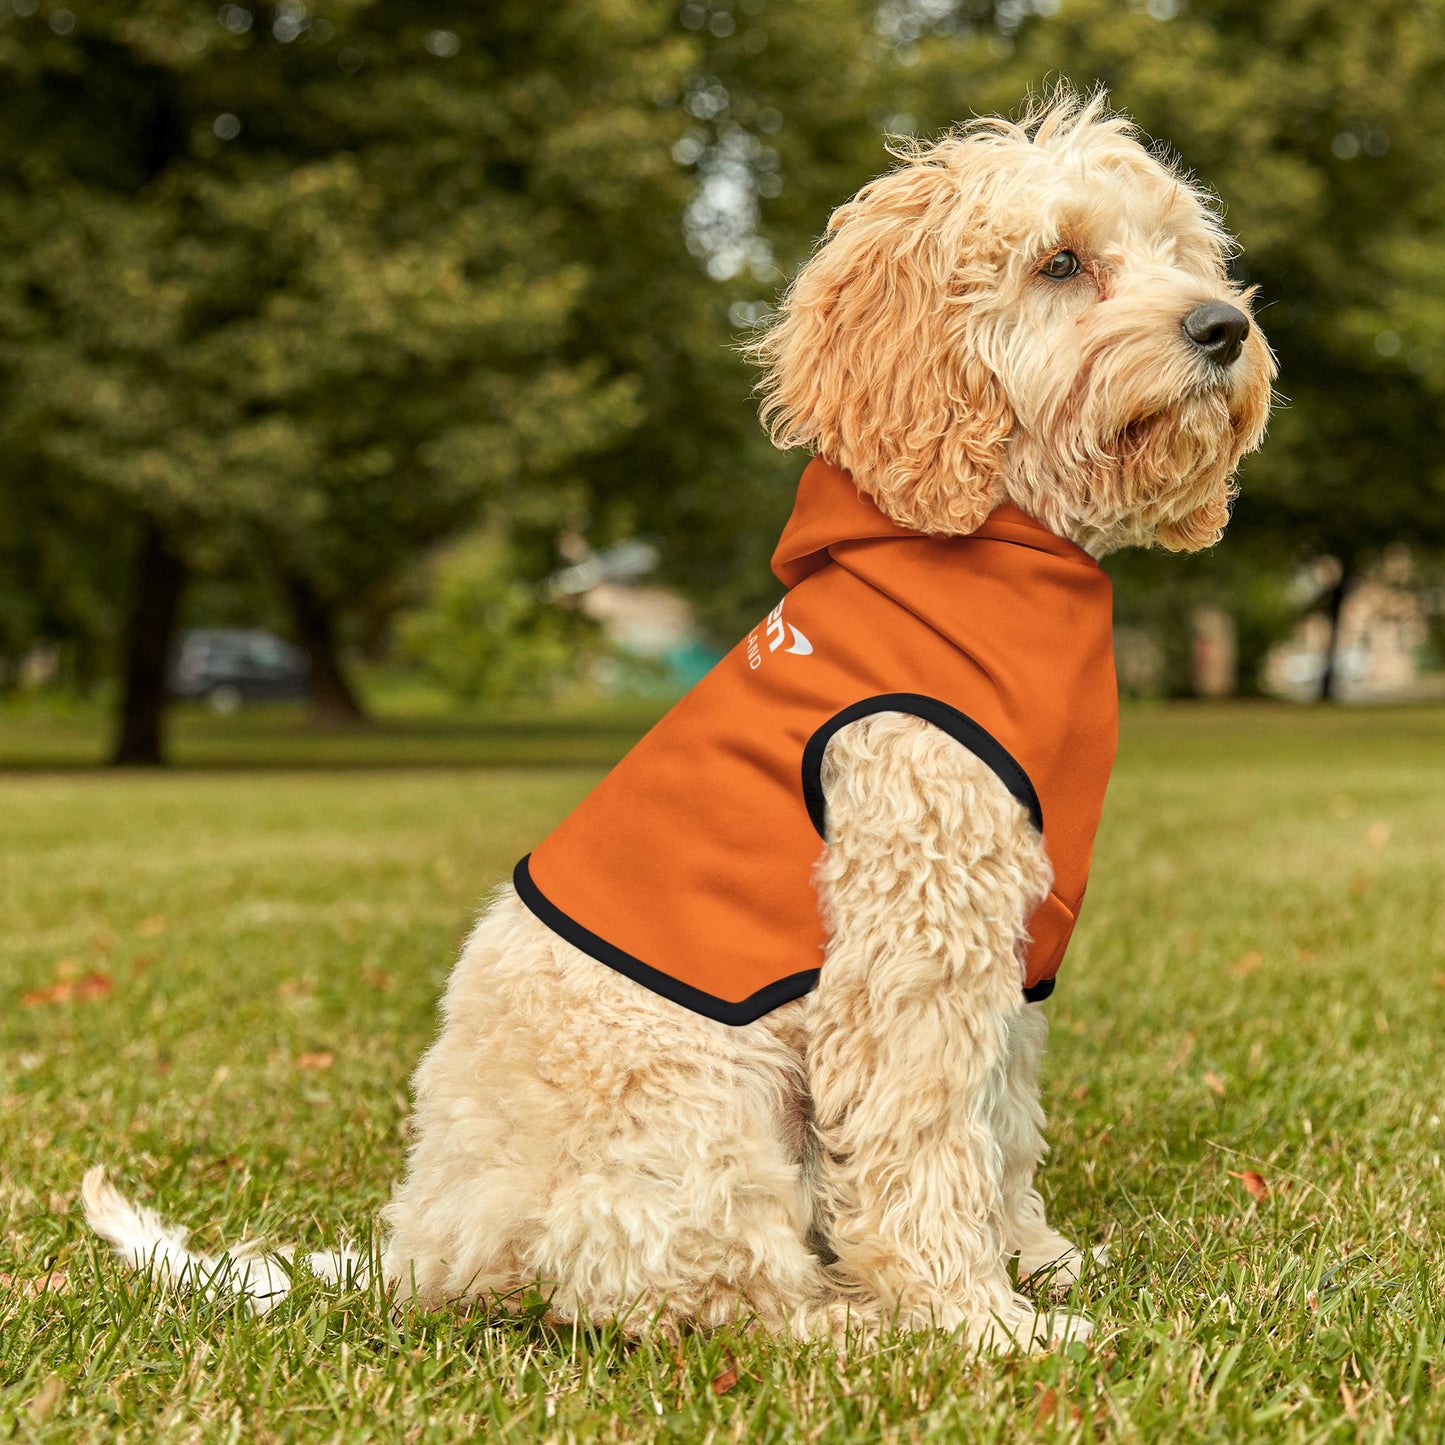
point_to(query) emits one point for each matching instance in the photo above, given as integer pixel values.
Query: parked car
(230, 665)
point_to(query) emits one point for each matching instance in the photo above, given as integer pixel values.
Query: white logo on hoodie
(777, 633)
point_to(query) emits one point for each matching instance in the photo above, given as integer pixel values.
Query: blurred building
(653, 630)
(1382, 652)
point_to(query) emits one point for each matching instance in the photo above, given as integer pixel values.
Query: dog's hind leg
(680, 1199)
(578, 1135)
(931, 873)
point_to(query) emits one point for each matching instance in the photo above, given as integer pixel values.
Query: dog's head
(1036, 312)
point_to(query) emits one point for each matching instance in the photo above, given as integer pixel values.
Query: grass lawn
(216, 980)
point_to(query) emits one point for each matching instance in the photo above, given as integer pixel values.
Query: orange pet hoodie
(690, 866)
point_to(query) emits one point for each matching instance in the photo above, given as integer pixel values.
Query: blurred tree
(783, 108)
(328, 284)
(486, 634)
(1163, 595)
(307, 282)
(58, 570)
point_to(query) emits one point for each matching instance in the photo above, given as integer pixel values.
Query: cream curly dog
(1031, 315)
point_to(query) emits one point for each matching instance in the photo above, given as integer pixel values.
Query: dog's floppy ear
(873, 362)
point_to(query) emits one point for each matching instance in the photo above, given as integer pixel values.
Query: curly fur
(866, 1155)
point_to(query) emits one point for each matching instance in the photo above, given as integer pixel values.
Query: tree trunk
(333, 699)
(160, 578)
(1329, 676)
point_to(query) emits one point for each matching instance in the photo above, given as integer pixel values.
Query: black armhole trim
(979, 741)
(958, 726)
(746, 1011)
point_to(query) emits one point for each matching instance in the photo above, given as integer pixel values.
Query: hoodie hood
(830, 517)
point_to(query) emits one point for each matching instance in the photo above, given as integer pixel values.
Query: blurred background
(367, 362)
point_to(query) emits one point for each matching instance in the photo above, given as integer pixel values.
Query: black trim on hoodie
(981, 743)
(962, 728)
(746, 1011)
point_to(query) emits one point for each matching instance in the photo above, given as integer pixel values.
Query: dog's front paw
(1023, 1326)
(1057, 1267)
(1059, 1328)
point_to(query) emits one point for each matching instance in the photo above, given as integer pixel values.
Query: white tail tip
(147, 1243)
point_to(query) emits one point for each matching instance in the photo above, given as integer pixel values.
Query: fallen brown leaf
(56, 993)
(1080, 1094)
(377, 978)
(724, 1382)
(1440, 980)
(151, 927)
(1248, 962)
(66, 990)
(1255, 1184)
(1046, 1407)
(1214, 1083)
(56, 1282)
(322, 1059)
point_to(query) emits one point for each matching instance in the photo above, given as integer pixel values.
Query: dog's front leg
(931, 873)
(1019, 1124)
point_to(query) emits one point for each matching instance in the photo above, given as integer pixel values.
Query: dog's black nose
(1218, 330)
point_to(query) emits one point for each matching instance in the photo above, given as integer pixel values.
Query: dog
(1014, 353)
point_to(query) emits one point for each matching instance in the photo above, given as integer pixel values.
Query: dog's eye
(1060, 266)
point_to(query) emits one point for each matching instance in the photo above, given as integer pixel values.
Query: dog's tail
(147, 1243)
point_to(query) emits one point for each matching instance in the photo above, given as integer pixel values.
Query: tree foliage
(484, 632)
(323, 287)
(306, 290)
